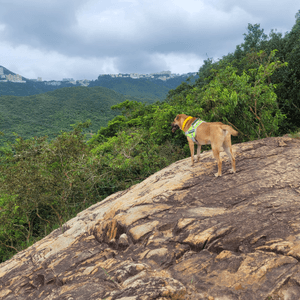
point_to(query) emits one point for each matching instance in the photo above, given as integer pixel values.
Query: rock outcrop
(180, 234)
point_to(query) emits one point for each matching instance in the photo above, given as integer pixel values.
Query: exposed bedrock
(180, 234)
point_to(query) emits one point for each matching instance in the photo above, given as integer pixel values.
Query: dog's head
(176, 123)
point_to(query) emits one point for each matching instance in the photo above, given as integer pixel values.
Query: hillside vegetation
(49, 113)
(44, 183)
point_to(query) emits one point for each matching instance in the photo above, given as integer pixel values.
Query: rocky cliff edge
(180, 234)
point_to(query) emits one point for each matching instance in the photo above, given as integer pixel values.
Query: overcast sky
(54, 39)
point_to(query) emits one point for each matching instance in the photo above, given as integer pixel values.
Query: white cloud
(32, 63)
(81, 39)
(177, 63)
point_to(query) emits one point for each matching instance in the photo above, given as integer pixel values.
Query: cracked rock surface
(180, 234)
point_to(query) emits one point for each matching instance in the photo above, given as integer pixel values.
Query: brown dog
(215, 133)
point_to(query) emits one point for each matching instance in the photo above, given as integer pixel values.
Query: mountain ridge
(155, 88)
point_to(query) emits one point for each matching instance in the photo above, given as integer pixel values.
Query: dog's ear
(177, 118)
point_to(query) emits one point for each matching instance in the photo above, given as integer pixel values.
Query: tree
(288, 79)
(43, 184)
(254, 39)
(247, 101)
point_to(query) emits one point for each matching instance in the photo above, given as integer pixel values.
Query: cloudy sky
(54, 39)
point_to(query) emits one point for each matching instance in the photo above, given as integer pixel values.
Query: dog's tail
(229, 129)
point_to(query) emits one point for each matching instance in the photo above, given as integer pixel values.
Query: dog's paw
(231, 171)
(217, 175)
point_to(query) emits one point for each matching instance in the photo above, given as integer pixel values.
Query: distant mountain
(144, 89)
(30, 87)
(49, 113)
(7, 72)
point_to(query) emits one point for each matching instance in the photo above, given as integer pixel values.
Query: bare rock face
(180, 234)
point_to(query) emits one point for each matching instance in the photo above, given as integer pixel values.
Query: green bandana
(191, 133)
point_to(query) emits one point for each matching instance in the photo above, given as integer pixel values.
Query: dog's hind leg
(228, 150)
(216, 153)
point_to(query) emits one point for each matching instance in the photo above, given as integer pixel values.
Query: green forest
(45, 182)
(53, 112)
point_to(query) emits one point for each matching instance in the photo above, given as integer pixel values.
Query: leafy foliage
(43, 184)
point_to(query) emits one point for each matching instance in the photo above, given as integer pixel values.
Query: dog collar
(188, 118)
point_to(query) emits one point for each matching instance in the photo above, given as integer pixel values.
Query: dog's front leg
(191, 145)
(198, 152)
